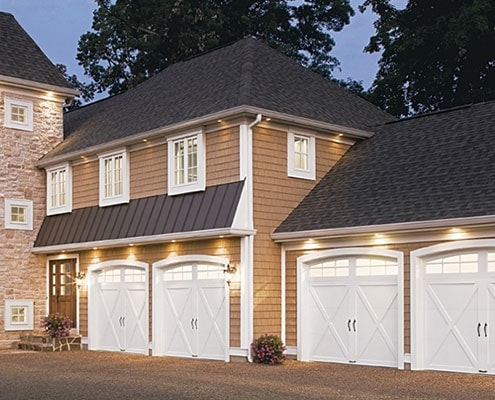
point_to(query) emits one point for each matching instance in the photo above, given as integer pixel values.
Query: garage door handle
(349, 325)
(196, 323)
(479, 327)
(354, 325)
(192, 323)
(486, 326)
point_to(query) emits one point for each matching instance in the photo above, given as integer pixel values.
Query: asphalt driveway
(101, 375)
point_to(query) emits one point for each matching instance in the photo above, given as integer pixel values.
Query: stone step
(45, 343)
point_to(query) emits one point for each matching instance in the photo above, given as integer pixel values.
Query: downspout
(247, 250)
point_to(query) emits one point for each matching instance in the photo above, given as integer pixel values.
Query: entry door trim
(304, 263)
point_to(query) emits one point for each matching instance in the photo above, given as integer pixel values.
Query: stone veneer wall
(23, 274)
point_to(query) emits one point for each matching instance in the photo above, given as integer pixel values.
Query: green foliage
(132, 40)
(268, 349)
(436, 54)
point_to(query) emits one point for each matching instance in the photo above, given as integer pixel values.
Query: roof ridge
(246, 78)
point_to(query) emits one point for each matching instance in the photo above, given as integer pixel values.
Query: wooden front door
(63, 288)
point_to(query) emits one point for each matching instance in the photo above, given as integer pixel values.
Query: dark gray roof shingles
(214, 208)
(246, 73)
(20, 56)
(431, 167)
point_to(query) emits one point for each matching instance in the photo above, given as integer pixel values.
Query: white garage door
(458, 311)
(190, 311)
(350, 309)
(118, 309)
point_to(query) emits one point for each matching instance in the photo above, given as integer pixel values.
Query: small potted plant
(268, 349)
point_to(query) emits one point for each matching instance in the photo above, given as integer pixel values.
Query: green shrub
(268, 349)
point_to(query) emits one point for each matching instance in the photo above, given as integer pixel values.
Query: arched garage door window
(118, 306)
(350, 307)
(191, 307)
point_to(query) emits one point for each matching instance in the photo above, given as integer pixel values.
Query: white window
(18, 214)
(18, 315)
(301, 158)
(114, 179)
(58, 190)
(186, 164)
(18, 114)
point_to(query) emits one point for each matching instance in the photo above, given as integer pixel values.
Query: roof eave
(402, 227)
(206, 119)
(145, 240)
(27, 84)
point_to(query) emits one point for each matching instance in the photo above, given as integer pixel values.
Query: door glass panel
(329, 268)
(491, 262)
(376, 267)
(459, 263)
(183, 273)
(134, 275)
(210, 272)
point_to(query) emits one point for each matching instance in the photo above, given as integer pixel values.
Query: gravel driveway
(102, 375)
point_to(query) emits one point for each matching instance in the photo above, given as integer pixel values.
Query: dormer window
(186, 164)
(114, 178)
(18, 114)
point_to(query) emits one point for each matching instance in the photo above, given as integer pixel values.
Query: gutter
(401, 227)
(144, 240)
(27, 84)
(203, 120)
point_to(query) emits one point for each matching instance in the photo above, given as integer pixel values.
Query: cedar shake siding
(275, 195)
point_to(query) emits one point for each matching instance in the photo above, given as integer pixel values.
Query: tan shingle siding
(275, 195)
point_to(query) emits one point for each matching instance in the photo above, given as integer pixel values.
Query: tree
(436, 54)
(132, 40)
(86, 90)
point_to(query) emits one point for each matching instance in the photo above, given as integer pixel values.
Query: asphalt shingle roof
(246, 73)
(20, 56)
(431, 167)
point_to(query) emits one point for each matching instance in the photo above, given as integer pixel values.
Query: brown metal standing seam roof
(214, 208)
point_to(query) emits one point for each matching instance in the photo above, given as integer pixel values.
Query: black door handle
(349, 325)
(485, 329)
(354, 325)
(479, 327)
(192, 323)
(196, 323)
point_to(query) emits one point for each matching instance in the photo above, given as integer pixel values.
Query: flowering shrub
(268, 349)
(57, 325)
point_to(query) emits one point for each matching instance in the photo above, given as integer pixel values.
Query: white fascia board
(143, 240)
(27, 84)
(403, 227)
(201, 121)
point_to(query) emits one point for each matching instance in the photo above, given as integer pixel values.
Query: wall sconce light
(231, 270)
(80, 278)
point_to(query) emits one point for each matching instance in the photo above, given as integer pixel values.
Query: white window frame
(10, 223)
(293, 171)
(193, 186)
(52, 209)
(24, 104)
(27, 324)
(121, 197)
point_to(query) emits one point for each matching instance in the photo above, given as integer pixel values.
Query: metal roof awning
(146, 220)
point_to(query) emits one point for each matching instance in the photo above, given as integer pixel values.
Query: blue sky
(56, 25)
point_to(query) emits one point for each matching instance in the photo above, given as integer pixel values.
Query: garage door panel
(451, 317)
(211, 309)
(179, 317)
(377, 323)
(109, 336)
(136, 319)
(328, 322)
